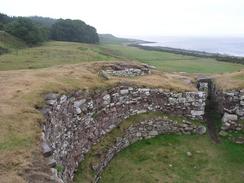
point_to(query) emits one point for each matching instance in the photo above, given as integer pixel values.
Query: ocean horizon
(233, 46)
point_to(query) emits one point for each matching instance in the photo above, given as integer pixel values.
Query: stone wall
(232, 106)
(76, 121)
(229, 103)
(145, 130)
(127, 70)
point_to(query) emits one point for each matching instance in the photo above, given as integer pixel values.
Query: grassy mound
(10, 42)
(164, 159)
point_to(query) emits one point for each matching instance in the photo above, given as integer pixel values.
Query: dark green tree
(25, 29)
(73, 30)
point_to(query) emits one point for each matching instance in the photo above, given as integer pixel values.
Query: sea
(233, 46)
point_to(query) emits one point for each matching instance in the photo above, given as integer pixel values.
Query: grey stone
(46, 150)
(229, 117)
(78, 110)
(153, 133)
(242, 97)
(189, 154)
(104, 75)
(51, 96)
(197, 113)
(124, 92)
(240, 111)
(51, 102)
(242, 103)
(63, 98)
(78, 103)
(106, 99)
(201, 130)
(52, 163)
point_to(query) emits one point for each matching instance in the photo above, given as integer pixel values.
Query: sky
(138, 18)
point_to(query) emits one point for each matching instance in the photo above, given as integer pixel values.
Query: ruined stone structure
(230, 104)
(76, 121)
(127, 70)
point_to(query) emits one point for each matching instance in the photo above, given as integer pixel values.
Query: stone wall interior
(78, 120)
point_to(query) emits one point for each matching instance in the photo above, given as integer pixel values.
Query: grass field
(164, 160)
(25, 74)
(59, 53)
(169, 62)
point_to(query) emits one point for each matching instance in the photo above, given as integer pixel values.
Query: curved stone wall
(145, 130)
(76, 121)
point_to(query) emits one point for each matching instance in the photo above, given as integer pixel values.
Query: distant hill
(111, 39)
(9, 42)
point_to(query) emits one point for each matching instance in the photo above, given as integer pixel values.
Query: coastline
(217, 56)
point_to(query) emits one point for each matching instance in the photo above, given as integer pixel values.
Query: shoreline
(217, 56)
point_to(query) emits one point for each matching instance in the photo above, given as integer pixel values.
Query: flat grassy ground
(59, 53)
(169, 62)
(163, 159)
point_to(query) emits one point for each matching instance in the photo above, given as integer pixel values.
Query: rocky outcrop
(145, 130)
(76, 121)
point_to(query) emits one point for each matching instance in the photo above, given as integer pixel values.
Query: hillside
(9, 42)
(111, 39)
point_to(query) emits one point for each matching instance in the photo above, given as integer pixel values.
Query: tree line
(34, 30)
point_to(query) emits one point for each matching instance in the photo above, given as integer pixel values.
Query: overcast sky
(141, 17)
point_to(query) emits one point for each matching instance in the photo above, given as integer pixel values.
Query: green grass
(85, 173)
(15, 142)
(59, 53)
(10, 42)
(50, 54)
(170, 62)
(111, 39)
(164, 159)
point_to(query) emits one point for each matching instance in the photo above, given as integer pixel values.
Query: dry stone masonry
(229, 103)
(145, 130)
(76, 121)
(126, 70)
(233, 108)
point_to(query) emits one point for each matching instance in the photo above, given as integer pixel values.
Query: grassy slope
(163, 159)
(10, 42)
(50, 54)
(110, 39)
(58, 53)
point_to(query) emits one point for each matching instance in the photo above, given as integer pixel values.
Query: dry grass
(230, 81)
(22, 90)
